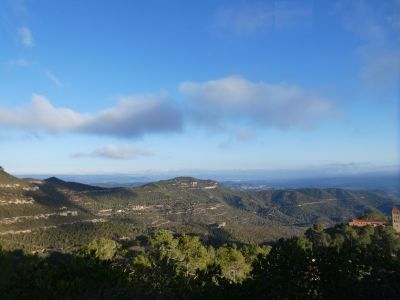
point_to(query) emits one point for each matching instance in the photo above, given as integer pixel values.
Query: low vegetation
(339, 262)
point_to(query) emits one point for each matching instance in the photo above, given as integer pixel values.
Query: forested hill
(51, 213)
(340, 262)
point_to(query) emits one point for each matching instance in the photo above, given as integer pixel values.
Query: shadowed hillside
(55, 213)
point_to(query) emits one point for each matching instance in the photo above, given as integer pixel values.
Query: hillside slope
(54, 213)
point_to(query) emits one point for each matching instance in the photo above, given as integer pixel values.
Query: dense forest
(339, 262)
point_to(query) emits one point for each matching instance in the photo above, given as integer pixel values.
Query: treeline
(341, 262)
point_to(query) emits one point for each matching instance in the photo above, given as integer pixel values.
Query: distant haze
(384, 180)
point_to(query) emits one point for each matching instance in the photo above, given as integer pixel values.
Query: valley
(52, 213)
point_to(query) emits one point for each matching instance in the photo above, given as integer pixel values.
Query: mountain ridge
(58, 213)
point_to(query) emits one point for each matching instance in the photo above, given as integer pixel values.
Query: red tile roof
(362, 223)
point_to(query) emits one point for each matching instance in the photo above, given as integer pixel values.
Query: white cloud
(41, 114)
(235, 100)
(232, 103)
(123, 152)
(25, 36)
(131, 117)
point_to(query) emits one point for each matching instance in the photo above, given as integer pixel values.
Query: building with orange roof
(363, 223)
(376, 223)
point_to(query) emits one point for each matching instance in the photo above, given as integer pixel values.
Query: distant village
(375, 223)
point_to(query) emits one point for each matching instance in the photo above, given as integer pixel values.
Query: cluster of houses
(375, 223)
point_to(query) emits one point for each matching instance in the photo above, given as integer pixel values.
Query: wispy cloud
(244, 134)
(53, 78)
(131, 117)
(292, 15)
(19, 8)
(234, 100)
(120, 152)
(377, 26)
(249, 18)
(238, 134)
(25, 36)
(243, 20)
(381, 70)
(23, 63)
(20, 62)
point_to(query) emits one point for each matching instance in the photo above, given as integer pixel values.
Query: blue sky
(136, 86)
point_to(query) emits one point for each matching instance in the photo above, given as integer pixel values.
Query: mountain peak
(54, 180)
(188, 183)
(6, 177)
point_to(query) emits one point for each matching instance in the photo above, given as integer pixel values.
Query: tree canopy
(340, 262)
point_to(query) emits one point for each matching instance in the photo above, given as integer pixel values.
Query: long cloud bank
(220, 103)
(131, 117)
